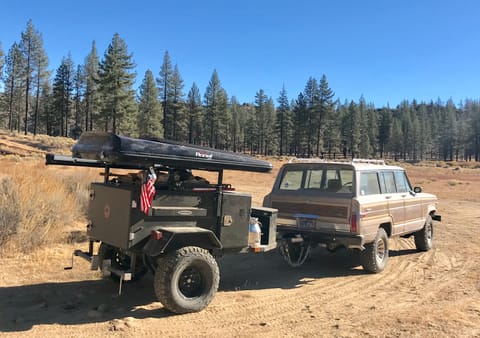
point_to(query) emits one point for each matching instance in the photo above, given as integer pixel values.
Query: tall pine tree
(283, 121)
(14, 85)
(164, 82)
(92, 96)
(116, 79)
(194, 115)
(149, 109)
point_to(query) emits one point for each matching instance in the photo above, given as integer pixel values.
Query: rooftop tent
(98, 149)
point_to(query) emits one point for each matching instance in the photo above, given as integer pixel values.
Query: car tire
(424, 237)
(375, 256)
(186, 280)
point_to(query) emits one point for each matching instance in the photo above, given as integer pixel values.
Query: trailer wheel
(186, 280)
(120, 261)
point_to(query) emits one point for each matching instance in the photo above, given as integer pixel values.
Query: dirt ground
(429, 294)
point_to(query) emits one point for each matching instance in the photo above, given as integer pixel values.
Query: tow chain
(294, 250)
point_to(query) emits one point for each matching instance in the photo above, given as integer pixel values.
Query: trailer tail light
(156, 235)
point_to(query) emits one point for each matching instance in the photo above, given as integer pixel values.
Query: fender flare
(176, 237)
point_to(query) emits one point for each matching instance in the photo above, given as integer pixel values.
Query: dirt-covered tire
(424, 237)
(375, 256)
(186, 280)
(119, 261)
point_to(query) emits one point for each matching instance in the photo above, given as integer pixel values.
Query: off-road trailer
(189, 224)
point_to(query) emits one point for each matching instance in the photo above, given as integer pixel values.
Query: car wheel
(424, 237)
(375, 256)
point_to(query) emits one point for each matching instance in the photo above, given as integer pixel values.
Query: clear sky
(385, 50)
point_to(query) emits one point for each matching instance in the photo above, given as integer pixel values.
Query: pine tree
(177, 107)
(216, 114)
(41, 74)
(45, 107)
(283, 121)
(149, 109)
(384, 128)
(78, 100)
(354, 129)
(31, 46)
(324, 116)
(165, 89)
(300, 120)
(14, 86)
(92, 99)
(271, 145)
(312, 100)
(235, 127)
(261, 120)
(396, 140)
(194, 115)
(116, 80)
(63, 85)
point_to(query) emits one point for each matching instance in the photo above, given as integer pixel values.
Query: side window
(402, 182)
(389, 183)
(313, 179)
(292, 180)
(369, 184)
(346, 177)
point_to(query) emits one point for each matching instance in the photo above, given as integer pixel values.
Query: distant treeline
(99, 95)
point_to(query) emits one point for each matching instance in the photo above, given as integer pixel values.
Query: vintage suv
(357, 205)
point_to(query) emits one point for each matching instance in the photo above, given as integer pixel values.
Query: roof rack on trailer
(368, 161)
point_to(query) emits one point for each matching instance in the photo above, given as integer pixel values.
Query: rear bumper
(330, 238)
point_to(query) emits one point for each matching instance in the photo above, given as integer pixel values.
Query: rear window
(332, 180)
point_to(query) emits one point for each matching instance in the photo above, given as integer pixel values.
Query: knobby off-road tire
(375, 256)
(120, 261)
(186, 280)
(424, 237)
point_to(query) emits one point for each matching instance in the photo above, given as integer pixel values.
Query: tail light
(355, 219)
(354, 222)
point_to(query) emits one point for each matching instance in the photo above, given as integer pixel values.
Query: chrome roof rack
(320, 160)
(368, 161)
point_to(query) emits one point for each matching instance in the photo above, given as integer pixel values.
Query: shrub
(10, 217)
(39, 204)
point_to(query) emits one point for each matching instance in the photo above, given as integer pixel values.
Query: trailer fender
(165, 239)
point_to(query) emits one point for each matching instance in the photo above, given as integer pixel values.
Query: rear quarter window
(291, 180)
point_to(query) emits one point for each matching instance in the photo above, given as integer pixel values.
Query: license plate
(307, 224)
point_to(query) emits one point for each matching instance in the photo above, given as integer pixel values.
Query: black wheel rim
(191, 283)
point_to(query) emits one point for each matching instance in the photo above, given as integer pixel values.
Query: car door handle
(388, 197)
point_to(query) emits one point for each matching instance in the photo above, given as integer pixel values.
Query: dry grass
(38, 203)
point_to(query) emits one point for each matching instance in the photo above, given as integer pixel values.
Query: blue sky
(386, 50)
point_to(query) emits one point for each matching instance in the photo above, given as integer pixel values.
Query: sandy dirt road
(430, 294)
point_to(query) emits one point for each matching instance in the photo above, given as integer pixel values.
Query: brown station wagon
(357, 205)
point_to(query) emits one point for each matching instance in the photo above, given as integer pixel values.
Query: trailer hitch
(294, 250)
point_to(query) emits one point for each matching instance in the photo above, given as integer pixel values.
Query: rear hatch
(321, 192)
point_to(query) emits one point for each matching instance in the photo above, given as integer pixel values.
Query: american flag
(148, 191)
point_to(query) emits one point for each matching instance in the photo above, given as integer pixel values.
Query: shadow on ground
(80, 302)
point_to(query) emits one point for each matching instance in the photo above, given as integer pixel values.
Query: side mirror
(417, 190)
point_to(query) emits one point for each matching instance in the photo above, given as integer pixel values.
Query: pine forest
(99, 95)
